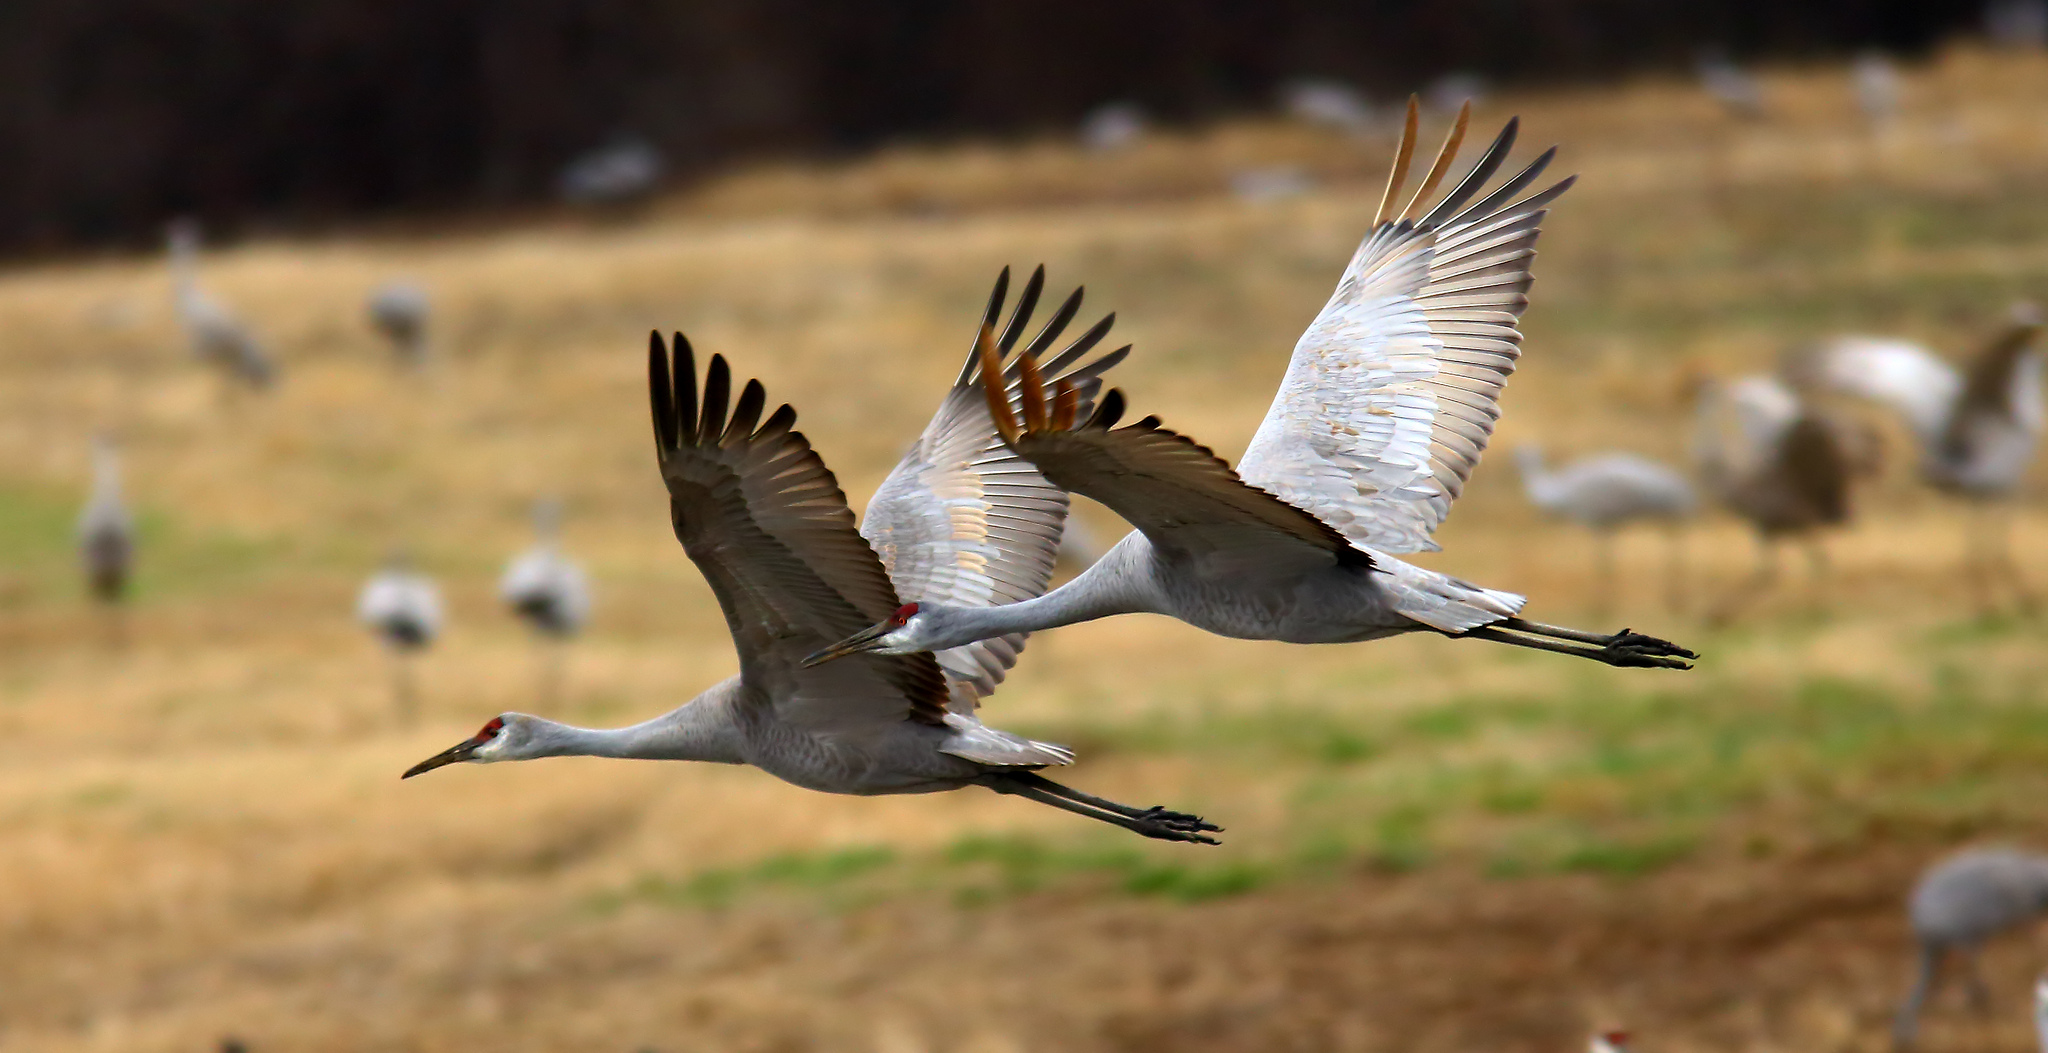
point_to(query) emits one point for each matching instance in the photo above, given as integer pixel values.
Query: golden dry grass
(204, 833)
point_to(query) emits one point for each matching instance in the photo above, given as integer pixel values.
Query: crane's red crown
(903, 615)
(490, 730)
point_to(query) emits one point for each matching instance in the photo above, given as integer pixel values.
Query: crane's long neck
(1118, 583)
(1537, 480)
(106, 475)
(705, 728)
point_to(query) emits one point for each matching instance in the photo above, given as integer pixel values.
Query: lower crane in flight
(961, 518)
(1385, 409)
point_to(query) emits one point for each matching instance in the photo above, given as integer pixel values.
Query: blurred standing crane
(1771, 459)
(548, 591)
(1606, 491)
(216, 335)
(403, 608)
(1384, 410)
(1735, 88)
(1958, 904)
(1877, 89)
(1977, 432)
(106, 537)
(623, 172)
(765, 521)
(399, 311)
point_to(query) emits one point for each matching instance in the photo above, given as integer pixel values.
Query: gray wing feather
(964, 521)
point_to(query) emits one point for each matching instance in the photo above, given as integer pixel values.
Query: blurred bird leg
(1674, 571)
(1604, 573)
(1973, 982)
(1760, 581)
(1821, 574)
(1624, 649)
(1906, 1026)
(404, 696)
(1154, 822)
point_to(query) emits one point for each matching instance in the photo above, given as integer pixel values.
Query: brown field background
(1432, 845)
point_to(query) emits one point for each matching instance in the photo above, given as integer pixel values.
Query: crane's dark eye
(903, 615)
(490, 730)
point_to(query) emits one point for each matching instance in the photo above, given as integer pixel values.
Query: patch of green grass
(37, 525)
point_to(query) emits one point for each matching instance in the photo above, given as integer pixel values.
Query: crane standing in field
(216, 335)
(1958, 904)
(399, 310)
(759, 513)
(1606, 491)
(1977, 431)
(1778, 463)
(1384, 411)
(403, 608)
(548, 591)
(106, 537)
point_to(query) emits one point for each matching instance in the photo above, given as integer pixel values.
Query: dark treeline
(117, 113)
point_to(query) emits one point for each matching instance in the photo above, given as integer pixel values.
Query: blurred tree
(117, 113)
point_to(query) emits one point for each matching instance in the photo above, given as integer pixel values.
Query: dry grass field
(1432, 846)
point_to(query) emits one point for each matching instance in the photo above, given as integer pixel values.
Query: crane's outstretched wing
(1188, 503)
(1391, 395)
(1904, 376)
(760, 514)
(965, 522)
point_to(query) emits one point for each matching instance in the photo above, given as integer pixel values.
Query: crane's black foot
(1633, 650)
(1177, 820)
(1185, 828)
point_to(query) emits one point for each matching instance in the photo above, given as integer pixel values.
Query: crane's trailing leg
(1154, 822)
(1906, 1025)
(1624, 649)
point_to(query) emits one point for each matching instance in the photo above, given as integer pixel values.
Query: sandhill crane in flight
(399, 310)
(1977, 431)
(403, 608)
(548, 591)
(106, 536)
(1779, 463)
(1957, 905)
(759, 513)
(1385, 408)
(1606, 491)
(216, 335)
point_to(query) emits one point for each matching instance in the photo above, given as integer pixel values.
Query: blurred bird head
(1610, 1042)
(507, 736)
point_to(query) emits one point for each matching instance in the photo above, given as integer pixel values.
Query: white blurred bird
(1328, 104)
(1959, 903)
(106, 536)
(403, 608)
(1735, 88)
(1977, 431)
(1604, 492)
(399, 310)
(625, 171)
(1609, 1042)
(1113, 126)
(549, 592)
(1878, 88)
(216, 335)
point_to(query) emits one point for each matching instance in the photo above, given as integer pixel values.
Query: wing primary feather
(1101, 365)
(1082, 345)
(1027, 302)
(1489, 163)
(1108, 410)
(1401, 159)
(783, 419)
(1033, 393)
(1442, 166)
(685, 373)
(992, 386)
(1065, 405)
(1509, 189)
(990, 315)
(1148, 424)
(717, 391)
(746, 413)
(662, 393)
(1057, 324)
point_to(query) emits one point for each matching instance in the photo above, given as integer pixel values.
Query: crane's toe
(1639, 643)
(1177, 820)
(1164, 831)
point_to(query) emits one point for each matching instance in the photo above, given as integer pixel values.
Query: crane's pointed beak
(461, 751)
(855, 644)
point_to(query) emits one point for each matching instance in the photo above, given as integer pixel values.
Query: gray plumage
(1385, 408)
(1777, 462)
(1957, 905)
(106, 531)
(545, 588)
(765, 521)
(216, 336)
(1606, 491)
(1735, 88)
(399, 310)
(625, 171)
(1878, 88)
(1977, 429)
